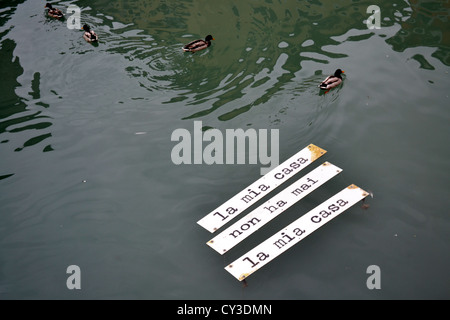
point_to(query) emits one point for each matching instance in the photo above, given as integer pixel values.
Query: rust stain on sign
(243, 276)
(316, 152)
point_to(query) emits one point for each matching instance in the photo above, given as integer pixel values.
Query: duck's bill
(343, 71)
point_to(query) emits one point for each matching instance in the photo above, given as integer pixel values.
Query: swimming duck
(89, 35)
(331, 81)
(53, 12)
(198, 45)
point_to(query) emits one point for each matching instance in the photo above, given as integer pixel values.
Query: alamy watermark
(374, 280)
(74, 21)
(230, 148)
(74, 280)
(374, 21)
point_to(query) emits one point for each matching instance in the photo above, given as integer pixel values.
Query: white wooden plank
(243, 228)
(260, 188)
(295, 232)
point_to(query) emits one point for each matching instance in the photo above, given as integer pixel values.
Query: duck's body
(53, 12)
(89, 35)
(332, 81)
(198, 45)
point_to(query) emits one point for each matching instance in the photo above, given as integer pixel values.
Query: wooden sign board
(260, 188)
(243, 228)
(295, 232)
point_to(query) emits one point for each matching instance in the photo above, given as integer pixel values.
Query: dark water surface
(87, 179)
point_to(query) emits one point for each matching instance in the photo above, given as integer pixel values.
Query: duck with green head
(54, 12)
(89, 35)
(198, 45)
(332, 81)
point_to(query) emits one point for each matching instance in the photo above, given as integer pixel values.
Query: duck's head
(338, 72)
(48, 5)
(209, 38)
(86, 28)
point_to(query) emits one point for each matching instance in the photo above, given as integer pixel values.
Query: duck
(198, 45)
(89, 35)
(332, 81)
(54, 12)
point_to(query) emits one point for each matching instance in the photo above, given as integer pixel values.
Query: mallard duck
(89, 35)
(331, 81)
(53, 12)
(198, 45)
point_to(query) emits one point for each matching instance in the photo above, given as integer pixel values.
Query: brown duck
(332, 81)
(198, 45)
(89, 35)
(54, 12)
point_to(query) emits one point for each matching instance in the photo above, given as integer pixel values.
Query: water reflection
(16, 115)
(426, 25)
(255, 57)
(260, 49)
(251, 60)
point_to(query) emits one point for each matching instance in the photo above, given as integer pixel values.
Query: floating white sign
(295, 232)
(272, 208)
(258, 189)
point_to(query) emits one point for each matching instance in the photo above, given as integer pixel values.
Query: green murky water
(87, 179)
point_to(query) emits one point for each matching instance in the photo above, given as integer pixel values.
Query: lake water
(87, 178)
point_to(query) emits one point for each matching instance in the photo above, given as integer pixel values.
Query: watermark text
(374, 280)
(374, 21)
(74, 21)
(235, 147)
(74, 280)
